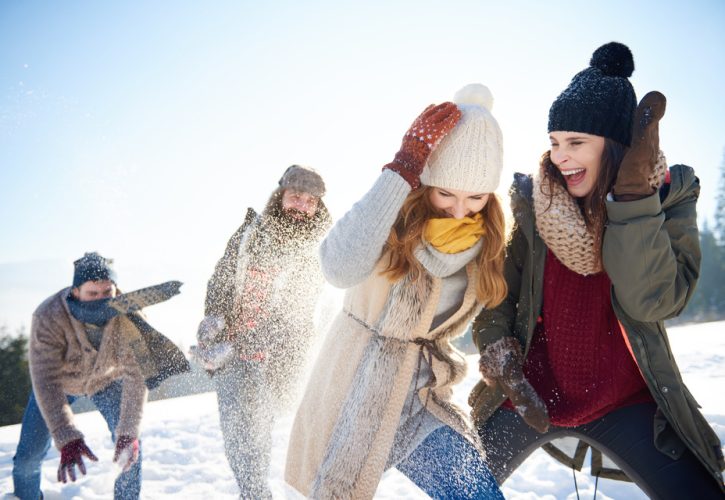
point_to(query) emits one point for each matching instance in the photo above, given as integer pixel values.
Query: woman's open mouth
(573, 176)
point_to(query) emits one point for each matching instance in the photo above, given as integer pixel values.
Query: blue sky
(143, 130)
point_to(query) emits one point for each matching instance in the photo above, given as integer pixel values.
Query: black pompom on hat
(93, 267)
(600, 100)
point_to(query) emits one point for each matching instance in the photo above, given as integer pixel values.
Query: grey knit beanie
(599, 100)
(470, 157)
(305, 179)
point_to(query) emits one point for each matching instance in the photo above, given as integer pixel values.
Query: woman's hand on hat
(634, 179)
(434, 123)
(426, 132)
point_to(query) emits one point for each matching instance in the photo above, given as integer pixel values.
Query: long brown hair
(407, 233)
(593, 205)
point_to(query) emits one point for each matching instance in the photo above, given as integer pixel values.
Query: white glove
(210, 328)
(212, 357)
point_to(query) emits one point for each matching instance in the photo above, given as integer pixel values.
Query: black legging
(624, 435)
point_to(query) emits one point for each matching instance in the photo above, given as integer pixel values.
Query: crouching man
(86, 340)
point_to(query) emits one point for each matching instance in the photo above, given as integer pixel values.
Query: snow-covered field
(184, 454)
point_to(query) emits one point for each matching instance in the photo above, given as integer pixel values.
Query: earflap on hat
(470, 157)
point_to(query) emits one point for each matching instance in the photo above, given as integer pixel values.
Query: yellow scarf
(451, 235)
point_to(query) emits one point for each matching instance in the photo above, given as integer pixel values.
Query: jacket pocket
(666, 439)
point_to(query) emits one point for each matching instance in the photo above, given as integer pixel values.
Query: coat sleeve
(493, 324)
(220, 288)
(133, 398)
(46, 357)
(651, 254)
(355, 243)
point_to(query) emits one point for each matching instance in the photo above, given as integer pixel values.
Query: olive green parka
(651, 254)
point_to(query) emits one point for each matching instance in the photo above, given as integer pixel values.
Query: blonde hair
(406, 235)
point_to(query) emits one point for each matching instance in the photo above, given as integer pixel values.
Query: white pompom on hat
(470, 157)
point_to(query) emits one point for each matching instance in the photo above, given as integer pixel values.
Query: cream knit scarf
(560, 223)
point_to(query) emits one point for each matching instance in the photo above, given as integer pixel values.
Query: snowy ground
(184, 456)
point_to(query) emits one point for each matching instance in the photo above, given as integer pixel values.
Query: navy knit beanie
(599, 100)
(93, 267)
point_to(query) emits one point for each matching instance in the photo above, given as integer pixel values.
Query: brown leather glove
(639, 161)
(421, 138)
(501, 364)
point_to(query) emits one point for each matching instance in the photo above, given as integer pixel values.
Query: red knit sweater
(579, 362)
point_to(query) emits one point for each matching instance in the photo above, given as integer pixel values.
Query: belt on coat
(427, 346)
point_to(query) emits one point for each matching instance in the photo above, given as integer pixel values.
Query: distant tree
(708, 301)
(720, 208)
(14, 375)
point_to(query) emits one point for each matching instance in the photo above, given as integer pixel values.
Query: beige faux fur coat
(62, 361)
(345, 425)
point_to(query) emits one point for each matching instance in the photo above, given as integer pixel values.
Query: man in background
(258, 326)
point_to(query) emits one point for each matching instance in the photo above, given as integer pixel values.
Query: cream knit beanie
(470, 157)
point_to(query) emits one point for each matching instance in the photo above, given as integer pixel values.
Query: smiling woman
(579, 158)
(605, 248)
(586, 166)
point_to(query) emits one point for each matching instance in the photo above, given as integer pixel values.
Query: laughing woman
(419, 255)
(605, 249)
